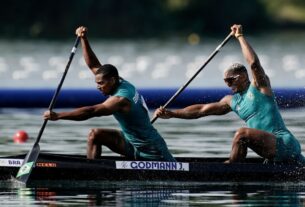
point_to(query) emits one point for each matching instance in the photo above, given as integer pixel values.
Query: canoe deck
(110, 168)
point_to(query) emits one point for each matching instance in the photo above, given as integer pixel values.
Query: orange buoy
(20, 136)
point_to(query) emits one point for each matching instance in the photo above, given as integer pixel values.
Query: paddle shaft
(55, 96)
(194, 76)
(31, 157)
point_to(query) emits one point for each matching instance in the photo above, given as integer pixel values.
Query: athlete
(254, 102)
(137, 139)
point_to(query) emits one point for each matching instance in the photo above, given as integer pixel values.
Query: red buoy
(20, 136)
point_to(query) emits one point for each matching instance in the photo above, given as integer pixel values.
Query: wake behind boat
(51, 167)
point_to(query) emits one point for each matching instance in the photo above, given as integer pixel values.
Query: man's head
(107, 79)
(236, 77)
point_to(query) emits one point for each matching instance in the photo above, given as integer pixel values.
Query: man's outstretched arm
(198, 110)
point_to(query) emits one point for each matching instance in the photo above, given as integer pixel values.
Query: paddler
(254, 102)
(137, 139)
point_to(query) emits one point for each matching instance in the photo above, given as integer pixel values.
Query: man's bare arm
(198, 110)
(260, 79)
(111, 105)
(90, 58)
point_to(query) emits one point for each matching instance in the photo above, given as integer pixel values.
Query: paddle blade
(28, 164)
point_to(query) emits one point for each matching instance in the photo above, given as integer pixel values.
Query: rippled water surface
(206, 137)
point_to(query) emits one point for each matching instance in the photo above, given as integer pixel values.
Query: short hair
(108, 71)
(237, 68)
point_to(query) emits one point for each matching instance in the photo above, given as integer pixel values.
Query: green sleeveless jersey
(136, 125)
(260, 111)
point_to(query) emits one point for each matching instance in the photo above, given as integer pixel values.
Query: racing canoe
(50, 167)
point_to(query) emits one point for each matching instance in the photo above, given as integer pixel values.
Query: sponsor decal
(136, 97)
(250, 95)
(25, 169)
(46, 164)
(152, 165)
(11, 162)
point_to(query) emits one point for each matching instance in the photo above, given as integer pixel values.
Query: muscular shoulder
(117, 100)
(118, 103)
(224, 105)
(226, 100)
(264, 89)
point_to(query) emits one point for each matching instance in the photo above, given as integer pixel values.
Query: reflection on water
(154, 194)
(206, 137)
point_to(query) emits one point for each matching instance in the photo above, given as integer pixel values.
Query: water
(206, 137)
(70, 137)
(150, 63)
(147, 64)
(156, 194)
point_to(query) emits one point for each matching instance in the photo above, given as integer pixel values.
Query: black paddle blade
(28, 164)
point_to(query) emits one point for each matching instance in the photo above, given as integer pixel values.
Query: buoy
(20, 136)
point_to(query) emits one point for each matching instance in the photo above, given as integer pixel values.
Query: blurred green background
(56, 19)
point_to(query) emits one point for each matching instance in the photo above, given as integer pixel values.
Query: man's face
(105, 85)
(233, 81)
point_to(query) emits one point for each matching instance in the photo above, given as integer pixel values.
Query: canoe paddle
(31, 158)
(192, 78)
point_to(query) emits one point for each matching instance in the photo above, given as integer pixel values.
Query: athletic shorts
(147, 153)
(288, 149)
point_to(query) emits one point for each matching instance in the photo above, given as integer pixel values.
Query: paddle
(192, 78)
(31, 158)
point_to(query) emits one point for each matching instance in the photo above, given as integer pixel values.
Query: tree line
(145, 18)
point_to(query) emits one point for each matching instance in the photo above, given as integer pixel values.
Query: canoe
(51, 167)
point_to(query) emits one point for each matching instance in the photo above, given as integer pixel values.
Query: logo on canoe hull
(25, 169)
(152, 165)
(46, 164)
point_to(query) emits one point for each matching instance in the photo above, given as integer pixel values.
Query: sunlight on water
(149, 63)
